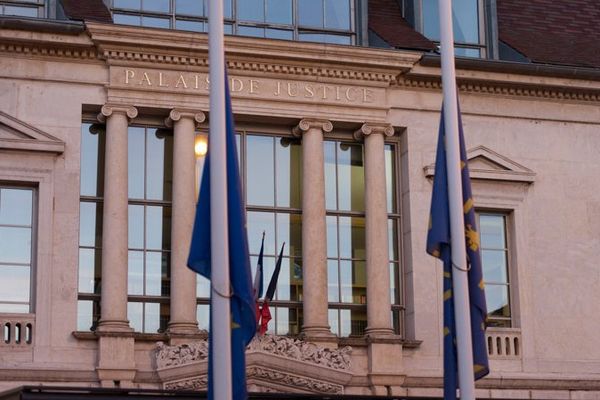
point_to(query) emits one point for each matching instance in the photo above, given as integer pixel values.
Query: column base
(113, 326)
(183, 332)
(379, 332)
(320, 335)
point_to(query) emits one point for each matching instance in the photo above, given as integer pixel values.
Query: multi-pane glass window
(494, 255)
(149, 238)
(346, 240)
(273, 188)
(324, 21)
(346, 245)
(150, 174)
(22, 8)
(468, 21)
(93, 139)
(271, 169)
(396, 292)
(16, 233)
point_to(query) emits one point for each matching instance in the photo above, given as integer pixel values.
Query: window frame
(235, 22)
(43, 7)
(144, 299)
(6, 184)
(412, 10)
(508, 249)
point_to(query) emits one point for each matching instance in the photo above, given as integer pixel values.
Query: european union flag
(438, 245)
(243, 313)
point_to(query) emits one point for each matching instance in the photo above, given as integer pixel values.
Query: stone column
(114, 219)
(183, 280)
(378, 271)
(116, 362)
(314, 235)
(384, 355)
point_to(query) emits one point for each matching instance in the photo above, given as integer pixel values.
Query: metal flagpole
(220, 294)
(466, 379)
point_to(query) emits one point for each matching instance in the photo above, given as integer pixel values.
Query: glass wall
(325, 21)
(16, 250)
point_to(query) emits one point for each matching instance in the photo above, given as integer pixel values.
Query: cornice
(119, 44)
(507, 87)
(43, 44)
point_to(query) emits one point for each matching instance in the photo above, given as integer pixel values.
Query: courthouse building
(103, 130)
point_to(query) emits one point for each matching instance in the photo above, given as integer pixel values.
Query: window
(93, 138)
(150, 170)
(346, 240)
(494, 255)
(324, 21)
(149, 238)
(273, 188)
(470, 19)
(346, 245)
(16, 249)
(396, 292)
(22, 8)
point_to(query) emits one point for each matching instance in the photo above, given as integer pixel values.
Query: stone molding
(340, 359)
(172, 356)
(303, 351)
(299, 383)
(177, 114)
(109, 109)
(295, 381)
(46, 50)
(369, 129)
(491, 166)
(200, 383)
(506, 88)
(307, 124)
(18, 135)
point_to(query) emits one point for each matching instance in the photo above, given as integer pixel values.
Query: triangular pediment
(19, 135)
(273, 364)
(486, 164)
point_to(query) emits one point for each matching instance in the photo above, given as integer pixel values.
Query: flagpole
(464, 346)
(220, 294)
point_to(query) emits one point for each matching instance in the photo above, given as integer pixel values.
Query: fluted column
(114, 219)
(378, 272)
(314, 235)
(183, 280)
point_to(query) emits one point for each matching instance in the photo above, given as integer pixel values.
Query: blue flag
(243, 313)
(438, 245)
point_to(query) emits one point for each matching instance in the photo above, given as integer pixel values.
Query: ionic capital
(307, 124)
(110, 109)
(370, 129)
(177, 114)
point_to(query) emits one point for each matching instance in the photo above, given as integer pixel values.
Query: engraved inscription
(191, 82)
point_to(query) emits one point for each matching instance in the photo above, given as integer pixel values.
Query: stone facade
(533, 150)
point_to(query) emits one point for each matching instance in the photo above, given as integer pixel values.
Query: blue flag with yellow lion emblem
(439, 245)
